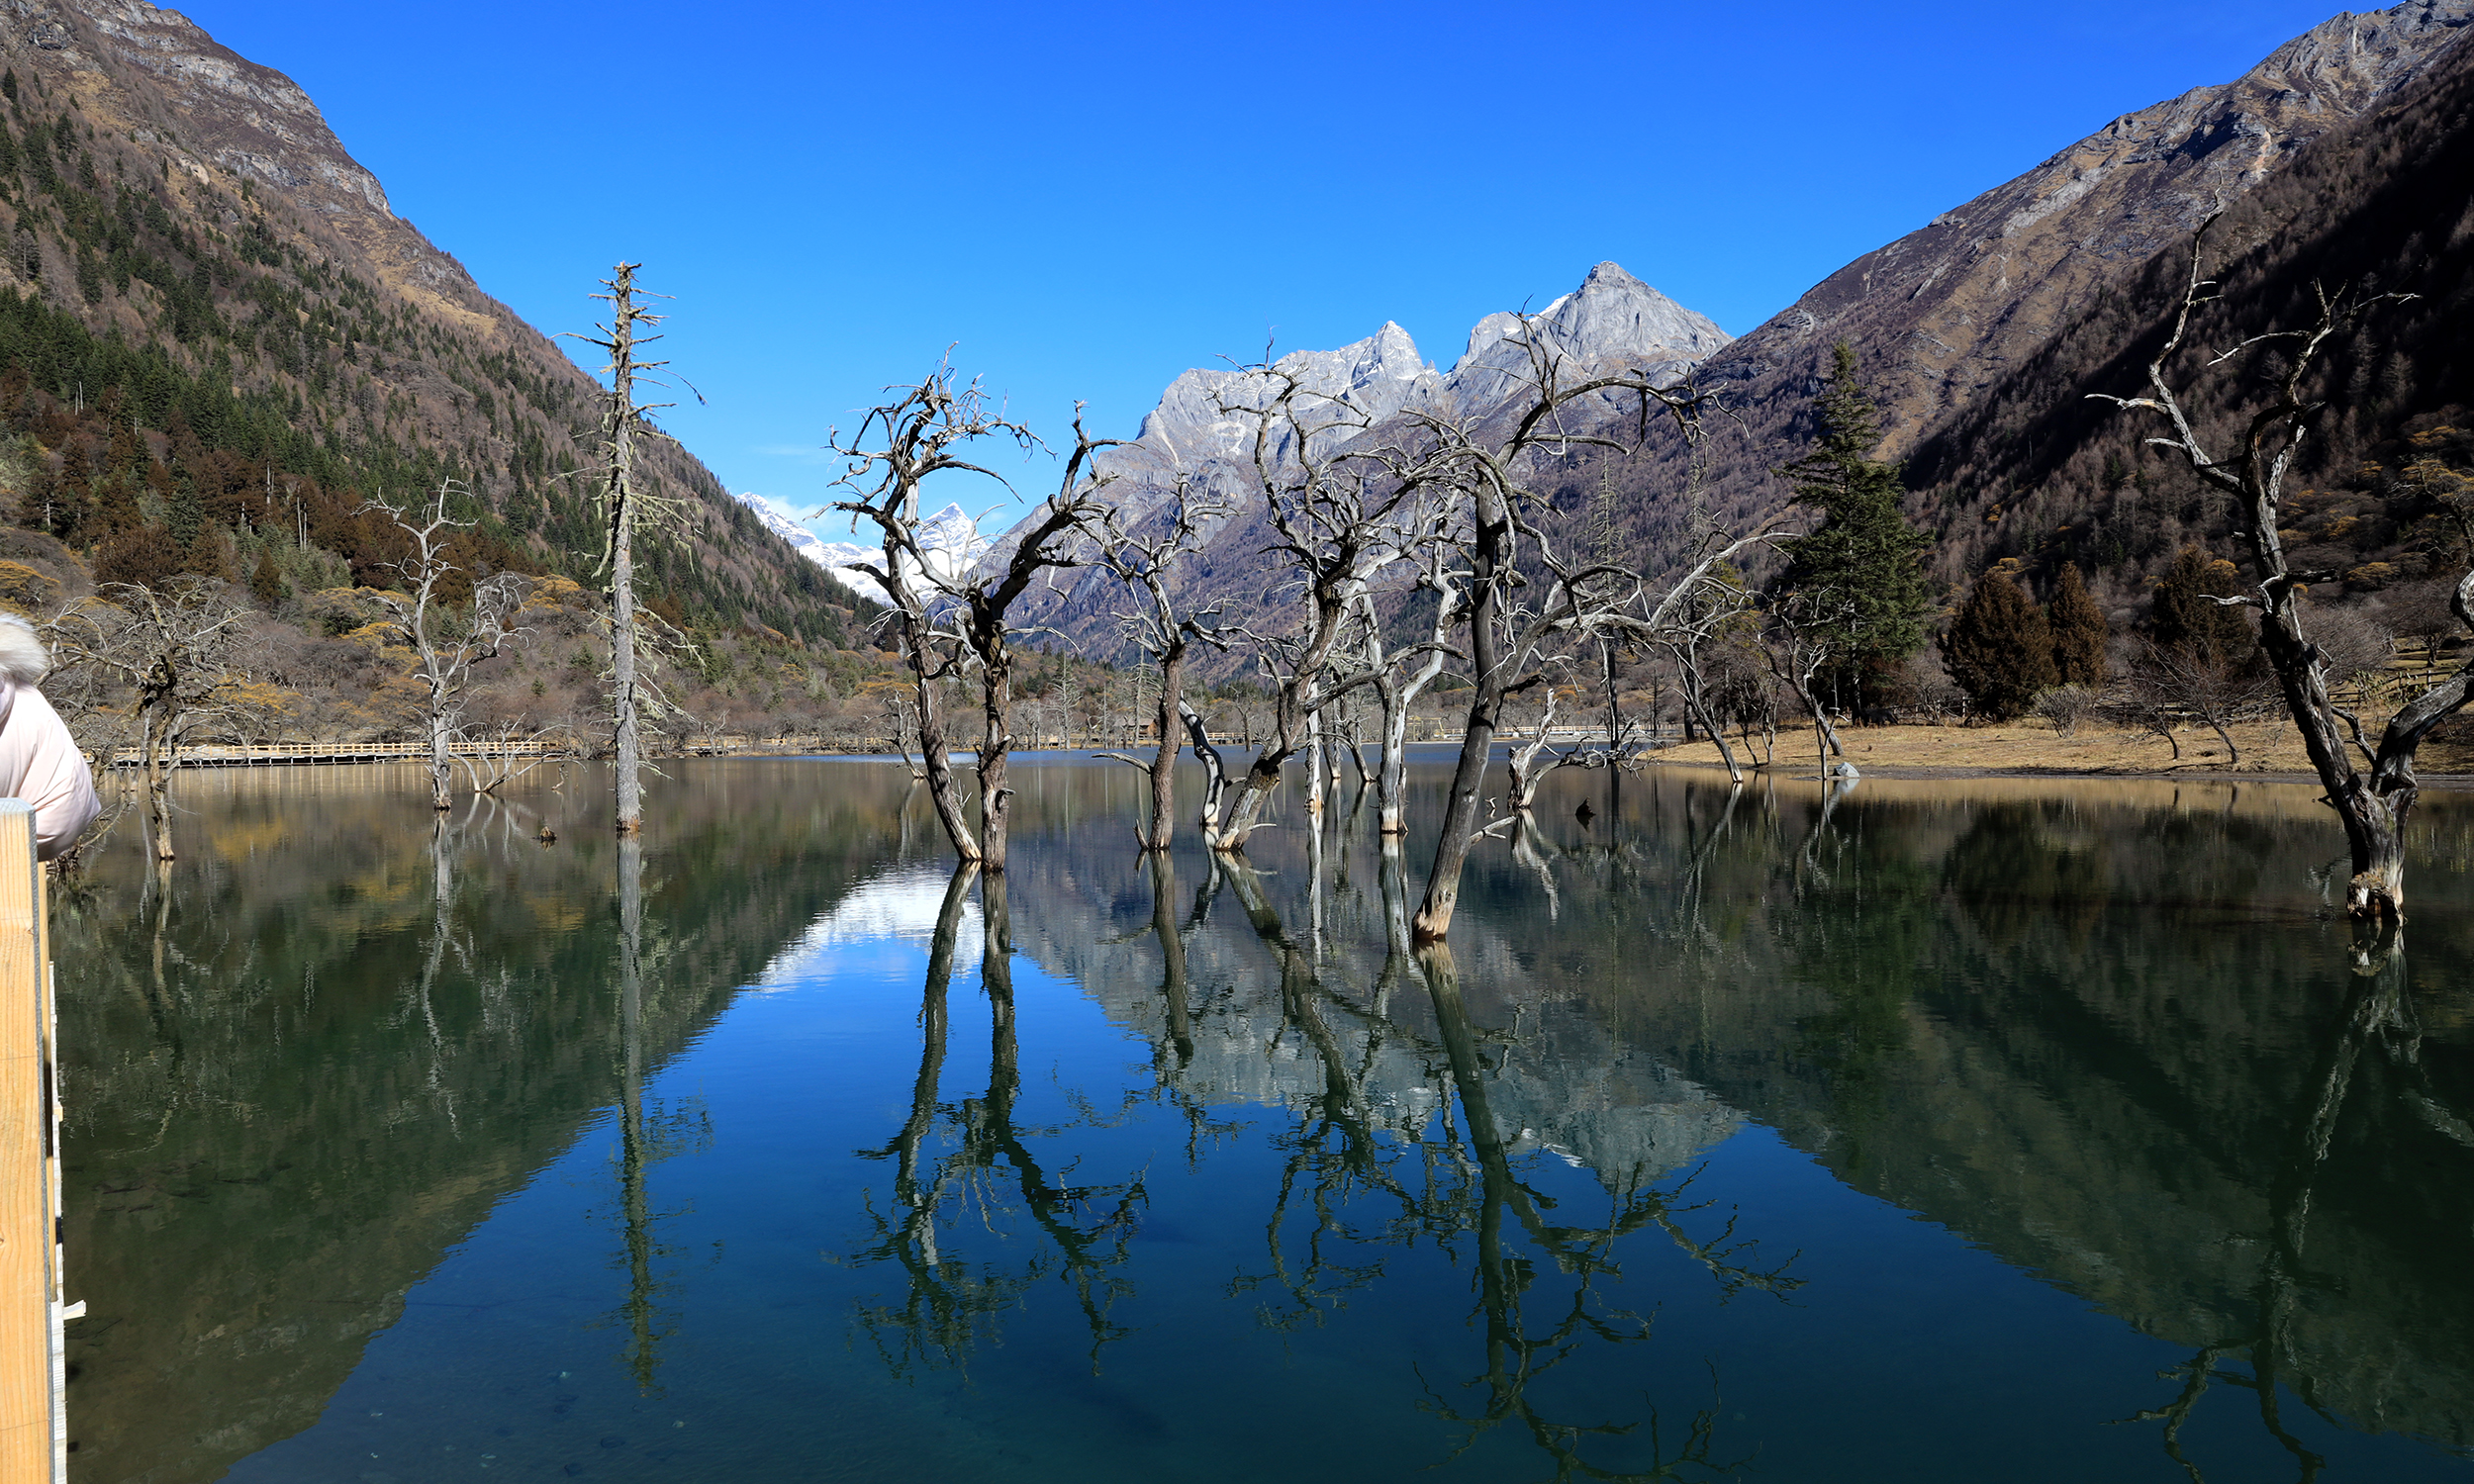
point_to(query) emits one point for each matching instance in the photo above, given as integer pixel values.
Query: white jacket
(39, 760)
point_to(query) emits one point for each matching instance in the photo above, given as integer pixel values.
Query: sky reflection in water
(1951, 1132)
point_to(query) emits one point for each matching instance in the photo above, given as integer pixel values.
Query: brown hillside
(192, 252)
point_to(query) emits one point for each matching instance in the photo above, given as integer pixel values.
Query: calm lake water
(2005, 1130)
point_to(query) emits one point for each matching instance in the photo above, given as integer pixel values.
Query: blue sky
(1088, 199)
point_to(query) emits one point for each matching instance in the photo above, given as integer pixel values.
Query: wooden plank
(30, 1381)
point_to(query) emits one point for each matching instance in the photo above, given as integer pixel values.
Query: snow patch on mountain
(950, 538)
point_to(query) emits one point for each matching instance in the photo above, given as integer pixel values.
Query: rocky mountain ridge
(1610, 322)
(1938, 317)
(1611, 319)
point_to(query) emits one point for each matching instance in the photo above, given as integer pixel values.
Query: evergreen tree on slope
(2081, 631)
(1864, 560)
(1998, 649)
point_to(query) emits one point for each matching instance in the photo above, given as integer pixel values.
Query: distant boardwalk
(290, 754)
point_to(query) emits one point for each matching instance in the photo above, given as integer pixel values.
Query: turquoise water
(1937, 1131)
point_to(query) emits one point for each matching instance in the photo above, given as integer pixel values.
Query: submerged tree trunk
(995, 746)
(619, 498)
(1314, 769)
(936, 763)
(441, 760)
(161, 757)
(1163, 762)
(1494, 538)
(1391, 770)
(1214, 769)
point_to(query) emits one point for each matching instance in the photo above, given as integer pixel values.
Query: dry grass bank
(2266, 747)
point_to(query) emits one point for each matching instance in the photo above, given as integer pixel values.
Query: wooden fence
(34, 1415)
(281, 754)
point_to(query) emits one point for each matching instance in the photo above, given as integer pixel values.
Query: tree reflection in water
(988, 1173)
(647, 1135)
(2378, 1014)
(1520, 1349)
(1448, 1179)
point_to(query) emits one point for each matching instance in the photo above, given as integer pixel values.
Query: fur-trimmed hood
(23, 661)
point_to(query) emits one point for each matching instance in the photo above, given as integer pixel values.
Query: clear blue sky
(1091, 199)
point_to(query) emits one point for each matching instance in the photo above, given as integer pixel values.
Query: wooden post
(34, 1419)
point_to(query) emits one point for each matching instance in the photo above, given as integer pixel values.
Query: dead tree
(925, 430)
(626, 509)
(1706, 610)
(979, 600)
(447, 646)
(2372, 786)
(1808, 632)
(1334, 508)
(1517, 633)
(168, 655)
(2173, 683)
(1401, 677)
(1157, 627)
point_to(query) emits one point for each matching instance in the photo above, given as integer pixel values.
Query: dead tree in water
(1157, 627)
(445, 646)
(1708, 611)
(174, 650)
(2372, 786)
(626, 509)
(1515, 642)
(982, 597)
(1336, 519)
(1810, 632)
(924, 431)
(1399, 678)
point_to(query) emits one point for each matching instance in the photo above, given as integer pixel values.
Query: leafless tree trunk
(170, 655)
(925, 430)
(2375, 795)
(1142, 561)
(626, 509)
(1337, 517)
(984, 597)
(1512, 647)
(1401, 678)
(1804, 646)
(445, 662)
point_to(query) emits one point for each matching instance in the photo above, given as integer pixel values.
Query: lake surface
(2004, 1129)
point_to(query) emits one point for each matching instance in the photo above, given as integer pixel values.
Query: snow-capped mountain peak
(950, 538)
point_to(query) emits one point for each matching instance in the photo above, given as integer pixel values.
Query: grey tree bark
(2372, 786)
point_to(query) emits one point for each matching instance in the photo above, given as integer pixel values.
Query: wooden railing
(34, 1417)
(274, 754)
(264, 754)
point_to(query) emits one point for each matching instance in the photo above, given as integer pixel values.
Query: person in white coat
(38, 761)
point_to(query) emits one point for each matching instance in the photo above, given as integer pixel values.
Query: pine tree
(1998, 649)
(2185, 616)
(186, 518)
(1866, 560)
(267, 584)
(2080, 632)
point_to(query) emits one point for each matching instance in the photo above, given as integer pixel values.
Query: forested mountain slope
(2034, 468)
(1945, 319)
(217, 341)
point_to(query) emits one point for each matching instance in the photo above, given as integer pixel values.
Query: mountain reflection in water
(774, 1150)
